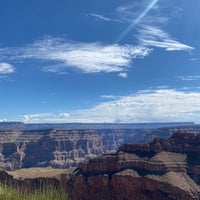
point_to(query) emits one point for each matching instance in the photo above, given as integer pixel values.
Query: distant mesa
(31, 126)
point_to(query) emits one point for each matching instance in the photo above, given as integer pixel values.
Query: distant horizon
(99, 122)
(94, 126)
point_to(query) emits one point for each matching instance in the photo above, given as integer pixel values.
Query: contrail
(149, 7)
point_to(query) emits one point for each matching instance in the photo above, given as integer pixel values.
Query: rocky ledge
(164, 169)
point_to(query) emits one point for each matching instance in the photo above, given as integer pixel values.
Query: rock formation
(164, 169)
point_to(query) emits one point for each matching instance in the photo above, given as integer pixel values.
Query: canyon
(66, 145)
(163, 169)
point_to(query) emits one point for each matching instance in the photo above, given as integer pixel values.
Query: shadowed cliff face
(162, 169)
(66, 148)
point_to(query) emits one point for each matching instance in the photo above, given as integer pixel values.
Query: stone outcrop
(24, 146)
(164, 169)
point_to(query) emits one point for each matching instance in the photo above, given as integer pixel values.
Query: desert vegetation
(44, 193)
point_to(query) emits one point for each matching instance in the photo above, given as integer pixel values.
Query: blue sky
(99, 61)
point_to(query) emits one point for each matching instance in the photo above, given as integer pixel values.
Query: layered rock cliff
(23, 147)
(163, 169)
(56, 148)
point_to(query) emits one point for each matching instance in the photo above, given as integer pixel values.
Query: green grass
(50, 193)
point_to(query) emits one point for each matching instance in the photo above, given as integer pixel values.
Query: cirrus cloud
(152, 36)
(85, 57)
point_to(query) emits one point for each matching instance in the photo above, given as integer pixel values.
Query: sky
(129, 61)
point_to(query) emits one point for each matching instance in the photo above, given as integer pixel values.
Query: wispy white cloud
(138, 19)
(194, 59)
(123, 74)
(152, 36)
(86, 57)
(45, 118)
(6, 68)
(189, 78)
(103, 18)
(144, 106)
(58, 69)
(126, 13)
(108, 97)
(129, 13)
